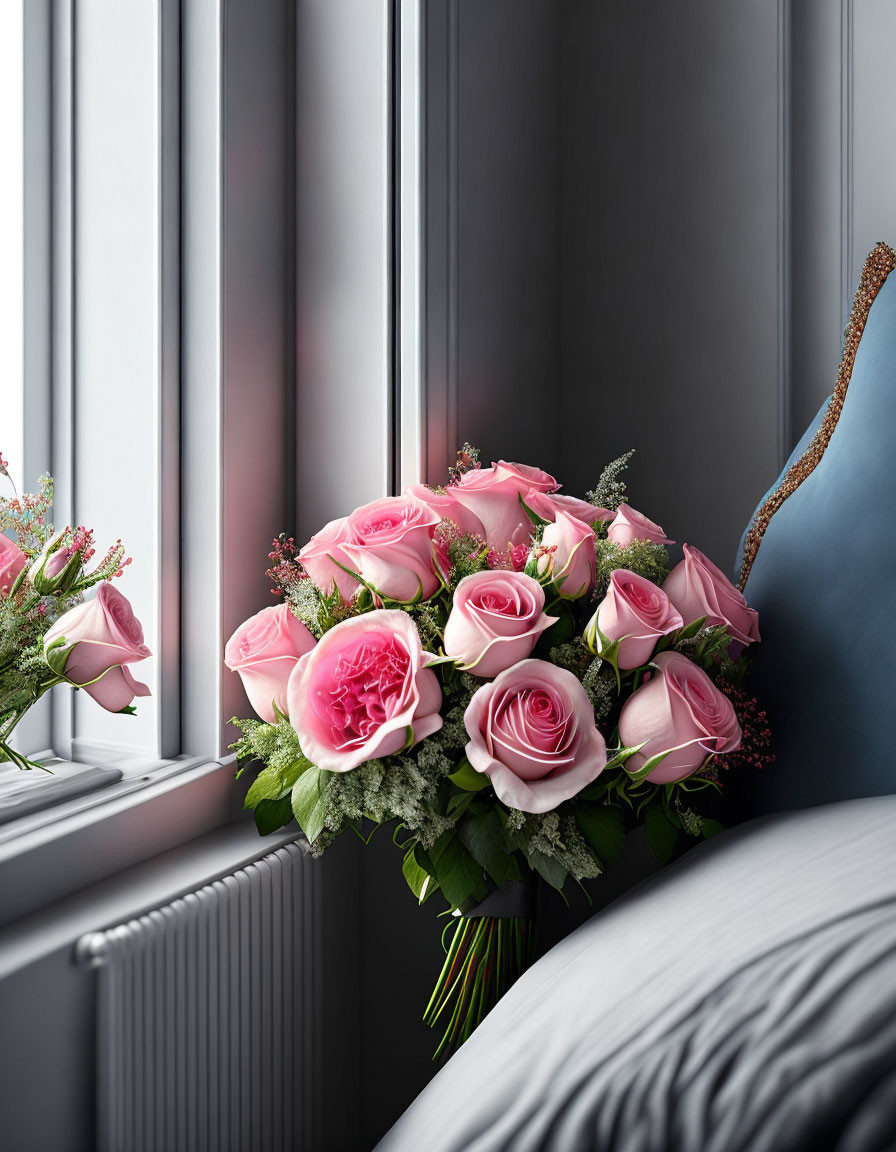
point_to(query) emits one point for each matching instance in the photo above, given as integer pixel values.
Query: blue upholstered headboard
(819, 563)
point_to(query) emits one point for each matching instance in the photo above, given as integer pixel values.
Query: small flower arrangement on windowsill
(49, 633)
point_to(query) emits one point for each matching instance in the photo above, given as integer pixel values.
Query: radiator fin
(207, 1034)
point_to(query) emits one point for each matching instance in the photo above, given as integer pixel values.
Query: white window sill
(47, 855)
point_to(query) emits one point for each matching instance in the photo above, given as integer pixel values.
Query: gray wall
(645, 222)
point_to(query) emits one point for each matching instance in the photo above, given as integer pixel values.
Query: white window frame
(221, 322)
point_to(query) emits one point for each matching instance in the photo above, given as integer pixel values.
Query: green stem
(485, 957)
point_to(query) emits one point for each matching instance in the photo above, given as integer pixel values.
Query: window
(12, 327)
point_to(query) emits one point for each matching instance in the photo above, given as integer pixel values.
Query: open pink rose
(392, 547)
(493, 495)
(364, 692)
(630, 525)
(698, 588)
(532, 733)
(574, 559)
(447, 507)
(636, 613)
(264, 650)
(495, 620)
(98, 638)
(12, 561)
(678, 707)
(546, 506)
(322, 549)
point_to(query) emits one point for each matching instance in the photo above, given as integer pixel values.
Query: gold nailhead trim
(878, 266)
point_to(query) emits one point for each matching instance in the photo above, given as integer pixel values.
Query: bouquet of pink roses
(49, 633)
(512, 675)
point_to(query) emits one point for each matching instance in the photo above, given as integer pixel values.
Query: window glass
(11, 231)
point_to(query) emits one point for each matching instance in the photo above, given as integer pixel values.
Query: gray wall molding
(785, 390)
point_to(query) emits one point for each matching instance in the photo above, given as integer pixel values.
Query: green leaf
(419, 880)
(621, 754)
(661, 833)
(560, 632)
(273, 784)
(460, 877)
(641, 774)
(690, 630)
(483, 836)
(549, 869)
(603, 829)
(712, 828)
(459, 803)
(272, 814)
(309, 801)
(467, 778)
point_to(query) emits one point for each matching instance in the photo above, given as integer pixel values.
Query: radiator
(207, 1037)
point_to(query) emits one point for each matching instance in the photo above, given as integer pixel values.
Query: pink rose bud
(546, 506)
(532, 732)
(447, 507)
(698, 588)
(94, 640)
(56, 569)
(12, 561)
(318, 555)
(264, 650)
(364, 692)
(495, 621)
(678, 708)
(630, 525)
(636, 613)
(575, 561)
(493, 496)
(392, 547)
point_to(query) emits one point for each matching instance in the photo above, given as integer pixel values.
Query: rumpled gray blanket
(744, 999)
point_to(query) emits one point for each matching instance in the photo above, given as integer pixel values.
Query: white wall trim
(847, 154)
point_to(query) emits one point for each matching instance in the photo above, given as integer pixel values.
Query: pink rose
(678, 707)
(495, 620)
(12, 561)
(574, 561)
(364, 692)
(392, 547)
(264, 650)
(116, 689)
(547, 507)
(98, 638)
(447, 507)
(629, 525)
(317, 557)
(493, 495)
(532, 733)
(636, 613)
(698, 588)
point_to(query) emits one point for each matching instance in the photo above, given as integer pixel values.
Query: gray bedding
(743, 999)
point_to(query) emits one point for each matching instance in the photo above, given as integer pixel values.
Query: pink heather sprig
(467, 460)
(754, 751)
(286, 571)
(511, 559)
(110, 567)
(28, 515)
